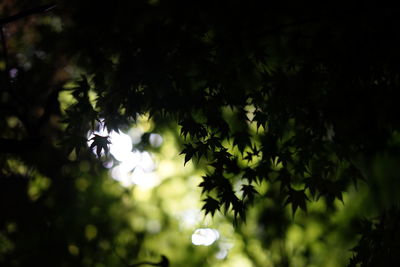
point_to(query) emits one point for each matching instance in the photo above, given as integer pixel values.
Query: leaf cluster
(255, 98)
(379, 242)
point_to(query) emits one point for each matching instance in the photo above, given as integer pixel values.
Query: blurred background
(139, 202)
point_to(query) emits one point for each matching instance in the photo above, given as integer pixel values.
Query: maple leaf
(222, 155)
(298, 199)
(260, 118)
(285, 178)
(211, 205)
(248, 157)
(202, 149)
(194, 129)
(239, 210)
(241, 140)
(214, 142)
(313, 184)
(227, 197)
(101, 143)
(250, 174)
(256, 152)
(209, 183)
(189, 152)
(248, 192)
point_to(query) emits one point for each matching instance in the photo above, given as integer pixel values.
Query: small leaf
(285, 179)
(239, 210)
(100, 143)
(202, 149)
(241, 140)
(248, 157)
(248, 192)
(189, 152)
(211, 205)
(298, 199)
(194, 129)
(214, 142)
(209, 183)
(260, 118)
(250, 174)
(227, 196)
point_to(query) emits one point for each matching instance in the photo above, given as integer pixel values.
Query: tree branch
(27, 13)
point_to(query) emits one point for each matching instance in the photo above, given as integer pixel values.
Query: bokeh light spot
(155, 140)
(204, 236)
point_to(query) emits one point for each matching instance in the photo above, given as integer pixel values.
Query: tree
(301, 102)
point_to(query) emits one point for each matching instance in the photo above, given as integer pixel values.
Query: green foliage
(273, 105)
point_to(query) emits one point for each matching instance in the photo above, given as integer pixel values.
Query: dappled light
(204, 236)
(223, 251)
(155, 140)
(189, 218)
(130, 165)
(121, 146)
(198, 133)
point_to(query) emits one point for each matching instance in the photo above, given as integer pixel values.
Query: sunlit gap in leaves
(129, 166)
(204, 236)
(207, 237)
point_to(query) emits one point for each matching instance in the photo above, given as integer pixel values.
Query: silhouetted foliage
(300, 100)
(379, 243)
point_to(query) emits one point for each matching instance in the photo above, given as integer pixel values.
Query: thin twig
(26, 13)
(4, 44)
